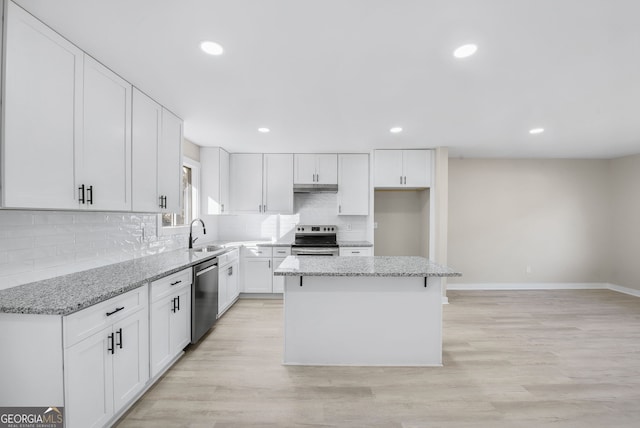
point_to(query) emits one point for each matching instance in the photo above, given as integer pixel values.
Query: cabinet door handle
(110, 347)
(264, 208)
(177, 282)
(222, 208)
(269, 264)
(161, 205)
(178, 304)
(173, 305)
(113, 312)
(165, 202)
(119, 342)
(400, 179)
(260, 208)
(90, 195)
(230, 271)
(339, 209)
(405, 179)
(81, 194)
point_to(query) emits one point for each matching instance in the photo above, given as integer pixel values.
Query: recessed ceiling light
(212, 48)
(465, 51)
(395, 130)
(264, 130)
(536, 131)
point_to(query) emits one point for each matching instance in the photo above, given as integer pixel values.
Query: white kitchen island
(363, 311)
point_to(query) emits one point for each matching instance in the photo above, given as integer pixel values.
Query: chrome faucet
(191, 239)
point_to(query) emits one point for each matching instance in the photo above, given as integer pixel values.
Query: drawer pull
(113, 312)
(281, 252)
(119, 343)
(355, 252)
(177, 282)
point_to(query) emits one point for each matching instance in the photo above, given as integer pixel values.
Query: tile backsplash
(309, 208)
(36, 245)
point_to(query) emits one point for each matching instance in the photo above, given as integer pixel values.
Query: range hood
(315, 188)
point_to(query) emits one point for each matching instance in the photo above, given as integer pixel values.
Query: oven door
(314, 251)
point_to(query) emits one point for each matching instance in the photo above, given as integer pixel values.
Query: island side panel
(31, 360)
(363, 321)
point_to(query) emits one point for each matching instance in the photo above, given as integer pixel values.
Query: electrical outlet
(348, 226)
(528, 269)
(375, 225)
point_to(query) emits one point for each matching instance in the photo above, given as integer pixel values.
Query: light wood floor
(568, 358)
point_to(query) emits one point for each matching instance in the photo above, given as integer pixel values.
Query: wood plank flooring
(566, 358)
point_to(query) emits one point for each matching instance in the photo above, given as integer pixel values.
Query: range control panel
(316, 228)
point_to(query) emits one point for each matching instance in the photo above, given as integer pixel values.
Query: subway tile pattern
(37, 245)
(309, 208)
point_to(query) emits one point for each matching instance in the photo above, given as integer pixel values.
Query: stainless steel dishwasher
(204, 298)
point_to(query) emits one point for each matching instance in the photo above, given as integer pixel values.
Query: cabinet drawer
(163, 286)
(255, 251)
(355, 251)
(281, 251)
(88, 321)
(229, 257)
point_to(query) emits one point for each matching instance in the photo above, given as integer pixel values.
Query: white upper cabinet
(43, 98)
(157, 156)
(214, 196)
(353, 184)
(402, 168)
(104, 157)
(147, 129)
(246, 182)
(170, 163)
(277, 183)
(261, 183)
(315, 168)
(67, 130)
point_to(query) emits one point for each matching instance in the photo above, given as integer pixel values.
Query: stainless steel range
(315, 240)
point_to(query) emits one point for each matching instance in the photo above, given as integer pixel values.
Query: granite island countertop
(396, 266)
(64, 295)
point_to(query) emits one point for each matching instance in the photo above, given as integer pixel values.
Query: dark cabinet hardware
(230, 271)
(119, 342)
(113, 312)
(173, 305)
(110, 347)
(90, 195)
(269, 264)
(81, 194)
(300, 281)
(177, 282)
(425, 282)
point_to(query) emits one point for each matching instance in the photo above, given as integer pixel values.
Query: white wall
(403, 222)
(625, 222)
(550, 215)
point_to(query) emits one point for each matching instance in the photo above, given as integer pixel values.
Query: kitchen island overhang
(363, 311)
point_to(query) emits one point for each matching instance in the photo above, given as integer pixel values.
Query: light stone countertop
(398, 266)
(64, 295)
(354, 244)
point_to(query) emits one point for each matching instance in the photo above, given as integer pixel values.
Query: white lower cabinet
(258, 264)
(170, 327)
(278, 281)
(356, 251)
(228, 284)
(106, 358)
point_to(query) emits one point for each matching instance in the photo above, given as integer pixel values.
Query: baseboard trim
(624, 290)
(545, 286)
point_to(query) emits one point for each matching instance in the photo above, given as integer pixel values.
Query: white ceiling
(335, 75)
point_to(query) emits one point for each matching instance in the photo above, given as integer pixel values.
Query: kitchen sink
(209, 249)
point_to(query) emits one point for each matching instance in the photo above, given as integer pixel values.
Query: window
(190, 190)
